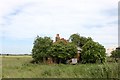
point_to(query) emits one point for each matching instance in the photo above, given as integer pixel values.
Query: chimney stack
(57, 37)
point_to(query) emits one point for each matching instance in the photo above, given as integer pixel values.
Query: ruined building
(57, 38)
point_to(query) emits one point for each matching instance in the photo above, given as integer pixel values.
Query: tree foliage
(61, 51)
(40, 48)
(75, 38)
(115, 53)
(93, 52)
(79, 40)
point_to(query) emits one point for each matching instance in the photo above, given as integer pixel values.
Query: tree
(62, 50)
(75, 38)
(83, 41)
(115, 54)
(79, 40)
(93, 52)
(40, 48)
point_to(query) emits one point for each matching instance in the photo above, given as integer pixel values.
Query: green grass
(20, 67)
(0, 67)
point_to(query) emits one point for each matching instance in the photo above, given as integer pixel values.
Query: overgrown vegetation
(19, 67)
(93, 52)
(63, 50)
(59, 51)
(40, 48)
(116, 54)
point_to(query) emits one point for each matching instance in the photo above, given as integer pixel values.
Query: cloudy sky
(22, 20)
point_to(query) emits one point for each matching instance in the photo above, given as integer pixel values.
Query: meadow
(20, 67)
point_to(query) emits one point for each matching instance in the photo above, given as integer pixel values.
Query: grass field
(20, 67)
(0, 67)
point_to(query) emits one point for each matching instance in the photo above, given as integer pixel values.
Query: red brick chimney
(57, 37)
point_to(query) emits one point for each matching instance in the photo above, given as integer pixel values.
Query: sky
(22, 20)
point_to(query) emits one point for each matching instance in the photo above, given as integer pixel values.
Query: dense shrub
(62, 51)
(93, 52)
(40, 48)
(116, 55)
(79, 40)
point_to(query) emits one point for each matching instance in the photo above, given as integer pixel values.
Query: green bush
(61, 51)
(93, 52)
(115, 53)
(40, 48)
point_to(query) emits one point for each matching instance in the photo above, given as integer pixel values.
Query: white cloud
(48, 17)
